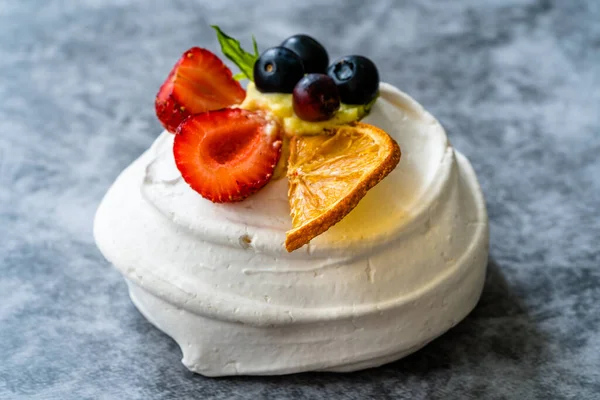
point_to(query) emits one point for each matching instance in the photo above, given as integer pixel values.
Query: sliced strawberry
(227, 155)
(199, 82)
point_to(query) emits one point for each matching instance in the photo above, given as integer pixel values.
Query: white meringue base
(217, 279)
(215, 347)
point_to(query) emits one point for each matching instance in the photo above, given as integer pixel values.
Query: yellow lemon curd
(280, 105)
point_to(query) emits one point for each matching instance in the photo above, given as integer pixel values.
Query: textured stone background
(515, 82)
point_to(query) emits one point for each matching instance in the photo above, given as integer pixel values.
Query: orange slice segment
(329, 175)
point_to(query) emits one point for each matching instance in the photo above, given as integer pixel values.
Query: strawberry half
(199, 82)
(227, 155)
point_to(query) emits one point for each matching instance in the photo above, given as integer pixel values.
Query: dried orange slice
(329, 175)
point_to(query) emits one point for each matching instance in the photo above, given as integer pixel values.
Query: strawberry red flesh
(227, 155)
(198, 82)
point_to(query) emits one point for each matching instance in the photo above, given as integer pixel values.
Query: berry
(312, 53)
(277, 70)
(227, 155)
(316, 98)
(198, 82)
(356, 77)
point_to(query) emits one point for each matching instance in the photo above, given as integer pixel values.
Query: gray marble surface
(515, 82)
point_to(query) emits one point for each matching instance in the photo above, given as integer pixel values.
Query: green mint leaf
(232, 49)
(255, 46)
(239, 76)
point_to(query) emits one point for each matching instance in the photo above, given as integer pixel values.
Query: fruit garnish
(277, 70)
(232, 49)
(198, 82)
(227, 155)
(316, 98)
(357, 79)
(307, 123)
(312, 53)
(329, 175)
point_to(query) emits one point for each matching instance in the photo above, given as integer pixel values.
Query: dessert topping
(277, 70)
(329, 175)
(357, 79)
(227, 155)
(280, 105)
(312, 53)
(232, 49)
(198, 82)
(316, 98)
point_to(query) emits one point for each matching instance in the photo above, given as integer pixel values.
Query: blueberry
(315, 98)
(277, 70)
(356, 78)
(313, 54)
